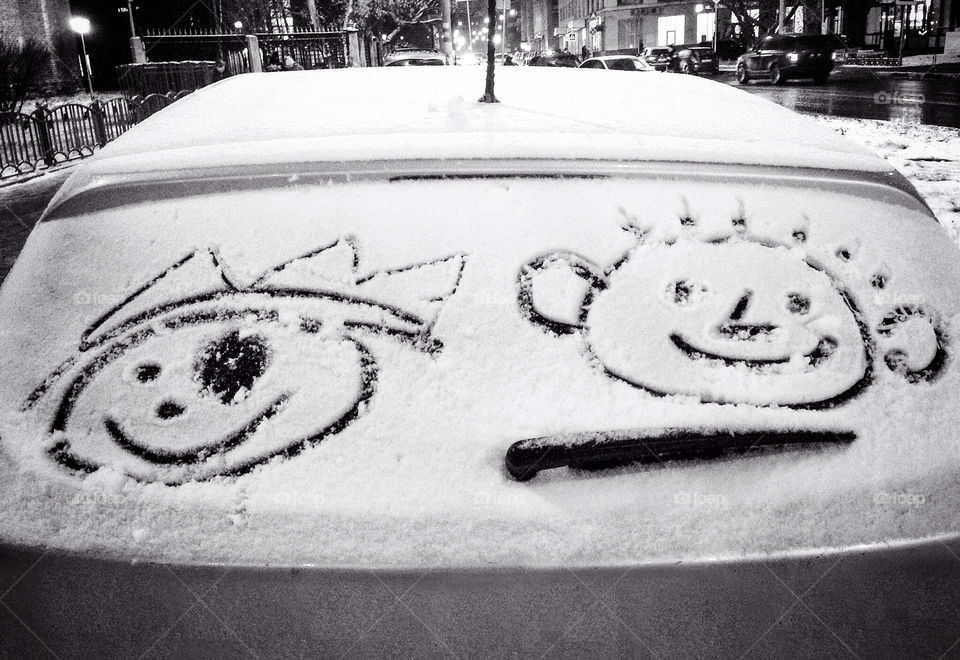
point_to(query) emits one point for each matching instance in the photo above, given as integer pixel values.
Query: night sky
(108, 41)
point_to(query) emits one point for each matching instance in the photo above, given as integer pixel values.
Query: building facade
(47, 21)
(538, 24)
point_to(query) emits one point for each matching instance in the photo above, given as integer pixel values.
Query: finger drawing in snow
(194, 376)
(731, 320)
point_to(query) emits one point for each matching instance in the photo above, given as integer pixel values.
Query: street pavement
(20, 206)
(866, 94)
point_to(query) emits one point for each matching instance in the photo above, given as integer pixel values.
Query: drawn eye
(229, 366)
(797, 303)
(683, 292)
(147, 372)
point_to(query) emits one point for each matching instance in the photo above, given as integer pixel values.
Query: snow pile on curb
(929, 156)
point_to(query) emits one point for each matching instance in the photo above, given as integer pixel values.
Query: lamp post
(133, 29)
(81, 26)
(469, 27)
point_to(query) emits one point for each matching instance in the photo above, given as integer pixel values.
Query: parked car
(555, 59)
(346, 363)
(727, 49)
(659, 57)
(415, 57)
(617, 63)
(781, 57)
(695, 60)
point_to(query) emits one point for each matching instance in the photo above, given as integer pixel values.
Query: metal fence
(229, 50)
(163, 77)
(47, 136)
(311, 49)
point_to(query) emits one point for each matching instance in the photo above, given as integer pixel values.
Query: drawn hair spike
(181, 280)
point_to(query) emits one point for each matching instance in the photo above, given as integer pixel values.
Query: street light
(81, 26)
(469, 26)
(238, 25)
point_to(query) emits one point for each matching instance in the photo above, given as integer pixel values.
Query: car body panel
(670, 610)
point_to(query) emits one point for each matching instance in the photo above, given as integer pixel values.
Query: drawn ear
(555, 291)
(930, 341)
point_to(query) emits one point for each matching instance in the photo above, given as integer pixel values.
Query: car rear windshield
(365, 372)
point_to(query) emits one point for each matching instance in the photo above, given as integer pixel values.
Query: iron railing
(47, 136)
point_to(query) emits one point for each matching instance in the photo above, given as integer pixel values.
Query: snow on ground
(929, 156)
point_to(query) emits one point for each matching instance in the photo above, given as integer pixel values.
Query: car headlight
(793, 57)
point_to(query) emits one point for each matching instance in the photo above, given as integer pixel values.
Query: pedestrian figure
(274, 64)
(585, 52)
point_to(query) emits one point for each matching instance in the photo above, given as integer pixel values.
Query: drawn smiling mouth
(823, 350)
(195, 455)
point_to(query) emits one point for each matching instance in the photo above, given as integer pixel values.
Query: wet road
(867, 95)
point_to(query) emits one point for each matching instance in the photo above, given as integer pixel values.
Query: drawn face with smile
(728, 322)
(181, 401)
(173, 388)
(732, 321)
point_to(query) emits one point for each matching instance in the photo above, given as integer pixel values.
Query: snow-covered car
(616, 63)
(415, 57)
(314, 365)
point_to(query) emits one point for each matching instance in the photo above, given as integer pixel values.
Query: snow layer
(415, 476)
(431, 112)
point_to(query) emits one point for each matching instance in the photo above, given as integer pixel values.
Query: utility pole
(133, 31)
(447, 38)
(469, 27)
(503, 29)
(781, 16)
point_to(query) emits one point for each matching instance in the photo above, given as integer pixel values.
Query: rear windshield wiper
(594, 451)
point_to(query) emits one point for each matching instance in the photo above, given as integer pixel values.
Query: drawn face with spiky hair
(174, 387)
(731, 320)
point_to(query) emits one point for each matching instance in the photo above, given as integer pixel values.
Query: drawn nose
(741, 307)
(735, 328)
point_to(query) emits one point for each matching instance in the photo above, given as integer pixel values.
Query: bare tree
(22, 69)
(488, 95)
(389, 17)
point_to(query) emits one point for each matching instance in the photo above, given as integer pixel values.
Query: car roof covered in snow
(260, 120)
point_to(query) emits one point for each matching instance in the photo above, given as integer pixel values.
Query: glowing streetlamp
(238, 25)
(81, 26)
